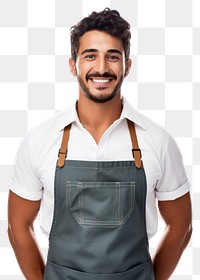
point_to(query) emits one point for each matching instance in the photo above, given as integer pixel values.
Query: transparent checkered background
(164, 84)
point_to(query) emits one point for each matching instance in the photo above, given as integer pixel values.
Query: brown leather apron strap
(62, 154)
(135, 150)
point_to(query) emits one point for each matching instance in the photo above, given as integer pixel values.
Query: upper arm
(177, 213)
(25, 180)
(21, 212)
(172, 182)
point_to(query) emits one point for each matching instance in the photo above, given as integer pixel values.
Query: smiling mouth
(101, 81)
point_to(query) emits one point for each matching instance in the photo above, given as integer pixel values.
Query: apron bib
(99, 229)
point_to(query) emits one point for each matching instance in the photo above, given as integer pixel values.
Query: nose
(101, 65)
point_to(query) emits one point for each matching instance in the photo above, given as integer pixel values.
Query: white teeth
(100, 81)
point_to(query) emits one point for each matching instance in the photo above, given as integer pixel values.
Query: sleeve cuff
(173, 194)
(17, 189)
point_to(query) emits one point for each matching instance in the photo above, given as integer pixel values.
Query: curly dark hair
(108, 21)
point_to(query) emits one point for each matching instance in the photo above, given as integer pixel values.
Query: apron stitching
(125, 184)
(118, 202)
(80, 201)
(102, 168)
(119, 219)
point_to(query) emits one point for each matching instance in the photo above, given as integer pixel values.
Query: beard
(100, 98)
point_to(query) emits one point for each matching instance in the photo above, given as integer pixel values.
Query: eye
(90, 56)
(112, 57)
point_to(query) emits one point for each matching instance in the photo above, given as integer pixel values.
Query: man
(99, 167)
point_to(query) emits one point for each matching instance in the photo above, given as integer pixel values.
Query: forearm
(27, 253)
(169, 252)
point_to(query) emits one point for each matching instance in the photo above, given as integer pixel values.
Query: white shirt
(34, 169)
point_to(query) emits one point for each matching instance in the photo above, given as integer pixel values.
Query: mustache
(99, 75)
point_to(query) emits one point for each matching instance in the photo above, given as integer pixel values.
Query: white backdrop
(164, 84)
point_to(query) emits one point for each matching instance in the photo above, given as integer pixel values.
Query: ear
(128, 67)
(72, 65)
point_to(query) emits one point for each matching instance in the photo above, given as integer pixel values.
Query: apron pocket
(100, 203)
(58, 272)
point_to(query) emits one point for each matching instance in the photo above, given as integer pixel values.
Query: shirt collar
(130, 113)
(67, 116)
(70, 115)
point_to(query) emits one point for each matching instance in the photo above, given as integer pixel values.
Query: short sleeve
(24, 180)
(173, 182)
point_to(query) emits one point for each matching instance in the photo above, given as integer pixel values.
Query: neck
(97, 117)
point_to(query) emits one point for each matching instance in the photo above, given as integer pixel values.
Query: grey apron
(99, 230)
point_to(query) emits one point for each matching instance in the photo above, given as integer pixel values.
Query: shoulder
(152, 127)
(153, 134)
(156, 139)
(52, 126)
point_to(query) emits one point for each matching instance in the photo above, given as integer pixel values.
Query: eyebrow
(95, 50)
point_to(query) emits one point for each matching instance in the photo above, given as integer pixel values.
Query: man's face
(100, 67)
